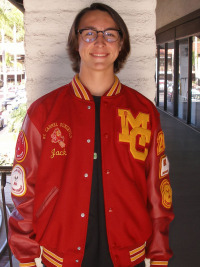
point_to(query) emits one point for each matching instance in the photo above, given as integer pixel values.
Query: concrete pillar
(47, 24)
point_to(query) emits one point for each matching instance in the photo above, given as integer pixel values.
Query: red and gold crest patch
(166, 192)
(21, 147)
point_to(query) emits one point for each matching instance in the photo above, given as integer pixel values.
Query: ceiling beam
(18, 4)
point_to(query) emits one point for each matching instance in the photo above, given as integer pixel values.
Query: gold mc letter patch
(138, 135)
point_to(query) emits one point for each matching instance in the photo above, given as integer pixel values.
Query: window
(170, 78)
(178, 69)
(161, 76)
(183, 79)
(195, 105)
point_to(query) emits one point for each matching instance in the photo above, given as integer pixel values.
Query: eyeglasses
(89, 35)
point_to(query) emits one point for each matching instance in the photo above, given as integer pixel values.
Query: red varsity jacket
(52, 175)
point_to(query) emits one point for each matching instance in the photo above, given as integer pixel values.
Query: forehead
(97, 19)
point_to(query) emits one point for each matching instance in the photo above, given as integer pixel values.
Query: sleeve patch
(163, 167)
(166, 192)
(21, 147)
(160, 143)
(18, 182)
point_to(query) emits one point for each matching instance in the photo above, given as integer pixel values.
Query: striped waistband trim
(159, 263)
(27, 264)
(137, 253)
(52, 257)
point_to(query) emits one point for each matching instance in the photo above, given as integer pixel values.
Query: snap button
(82, 215)
(78, 248)
(107, 171)
(86, 175)
(88, 141)
(89, 107)
(77, 261)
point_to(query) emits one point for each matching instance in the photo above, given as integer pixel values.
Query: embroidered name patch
(58, 134)
(18, 183)
(139, 136)
(166, 192)
(164, 166)
(21, 147)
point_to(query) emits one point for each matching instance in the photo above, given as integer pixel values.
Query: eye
(110, 34)
(89, 33)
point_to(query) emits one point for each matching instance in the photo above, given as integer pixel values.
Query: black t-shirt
(96, 249)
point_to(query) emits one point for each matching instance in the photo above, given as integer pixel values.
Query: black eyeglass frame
(109, 29)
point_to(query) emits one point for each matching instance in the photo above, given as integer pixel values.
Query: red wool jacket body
(52, 177)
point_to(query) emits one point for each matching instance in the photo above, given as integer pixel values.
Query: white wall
(47, 24)
(170, 10)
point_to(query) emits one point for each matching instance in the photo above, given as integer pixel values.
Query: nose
(100, 39)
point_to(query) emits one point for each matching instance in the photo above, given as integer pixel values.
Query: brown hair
(72, 44)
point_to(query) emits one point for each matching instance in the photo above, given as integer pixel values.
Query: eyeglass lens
(91, 35)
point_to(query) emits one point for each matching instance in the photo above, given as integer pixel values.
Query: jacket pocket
(54, 191)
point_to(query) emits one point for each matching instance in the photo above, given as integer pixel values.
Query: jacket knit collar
(82, 92)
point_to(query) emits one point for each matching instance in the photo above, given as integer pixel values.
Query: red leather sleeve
(159, 198)
(23, 177)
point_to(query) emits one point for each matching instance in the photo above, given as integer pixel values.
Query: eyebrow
(94, 28)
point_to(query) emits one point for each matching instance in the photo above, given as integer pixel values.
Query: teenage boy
(90, 180)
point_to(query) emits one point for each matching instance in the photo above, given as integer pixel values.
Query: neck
(97, 82)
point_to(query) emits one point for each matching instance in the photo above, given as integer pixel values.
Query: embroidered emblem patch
(60, 135)
(21, 147)
(134, 131)
(166, 192)
(164, 167)
(18, 183)
(160, 143)
(56, 137)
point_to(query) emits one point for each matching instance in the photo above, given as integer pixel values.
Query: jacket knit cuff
(28, 264)
(159, 263)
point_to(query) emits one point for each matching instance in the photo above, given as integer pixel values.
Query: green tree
(10, 16)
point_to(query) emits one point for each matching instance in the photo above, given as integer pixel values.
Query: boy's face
(98, 55)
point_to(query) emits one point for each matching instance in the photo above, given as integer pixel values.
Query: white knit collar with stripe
(82, 92)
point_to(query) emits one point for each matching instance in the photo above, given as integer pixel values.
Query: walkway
(183, 150)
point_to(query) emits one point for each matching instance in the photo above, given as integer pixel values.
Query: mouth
(98, 55)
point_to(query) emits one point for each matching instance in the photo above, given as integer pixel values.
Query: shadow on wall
(46, 72)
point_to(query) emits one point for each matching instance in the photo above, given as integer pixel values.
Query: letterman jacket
(52, 175)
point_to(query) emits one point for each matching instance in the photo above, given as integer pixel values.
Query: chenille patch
(160, 143)
(166, 192)
(18, 182)
(21, 147)
(164, 167)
